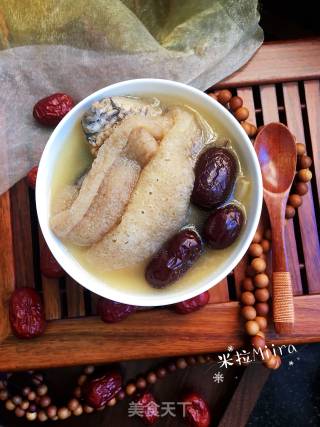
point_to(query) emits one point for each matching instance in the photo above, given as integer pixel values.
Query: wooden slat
(278, 62)
(6, 264)
(239, 272)
(219, 293)
(312, 92)
(245, 396)
(270, 114)
(79, 341)
(307, 220)
(22, 234)
(94, 300)
(75, 299)
(51, 291)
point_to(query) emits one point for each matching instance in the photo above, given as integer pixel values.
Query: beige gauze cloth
(77, 47)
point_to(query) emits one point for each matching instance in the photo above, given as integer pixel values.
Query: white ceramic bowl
(194, 98)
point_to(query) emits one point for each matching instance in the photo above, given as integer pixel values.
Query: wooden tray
(280, 83)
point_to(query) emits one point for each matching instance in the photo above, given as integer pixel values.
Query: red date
(148, 408)
(174, 258)
(196, 411)
(112, 311)
(99, 391)
(32, 177)
(49, 266)
(192, 304)
(26, 313)
(50, 110)
(215, 175)
(223, 226)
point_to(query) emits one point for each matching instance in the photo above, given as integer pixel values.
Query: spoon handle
(283, 309)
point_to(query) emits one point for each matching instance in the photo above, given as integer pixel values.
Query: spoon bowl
(277, 154)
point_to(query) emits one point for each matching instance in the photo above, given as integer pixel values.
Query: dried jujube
(215, 175)
(175, 257)
(26, 313)
(223, 226)
(197, 412)
(192, 304)
(99, 391)
(49, 111)
(49, 266)
(148, 408)
(112, 311)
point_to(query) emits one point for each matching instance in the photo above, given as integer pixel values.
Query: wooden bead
(31, 416)
(3, 395)
(141, 383)
(235, 103)
(42, 390)
(82, 379)
(32, 407)
(248, 312)
(267, 354)
(262, 308)
(255, 250)
(265, 246)
(161, 372)
(112, 402)
(63, 413)
(25, 405)
(191, 360)
(252, 327)
(257, 237)
(261, 280)
(253, 131)
(246, 127)
(261, 334)
(241, 114)
(79, 410)
(267, 234)
(26, 391)
(2, 385)
(247, 298)
(31, 396)
(121, 395)
(51, 411)
(151, 378)
(271, 362)
(77, 392)
(42, 416)
(258, 342)
(201, 359)
(301, 188)
(224, 96)
(278, 364)
(262, 322)
(301, 149)
(37, 379)
(73, 404)
(290, 212)
(172, 367)
(259, 265)
(305, 175)
(247, 284)
(17, 400)
(10, 406)
(88, 370)
(19, 412)
(130, 389)
(181, 363)
(88, 409)
(295, 200)
(304, 162)
(262, 295)
(45, 401)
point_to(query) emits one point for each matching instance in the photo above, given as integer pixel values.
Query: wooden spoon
(276, 150)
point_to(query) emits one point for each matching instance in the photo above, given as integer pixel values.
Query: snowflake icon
(218, 377)
(291, 362)
(230, 348)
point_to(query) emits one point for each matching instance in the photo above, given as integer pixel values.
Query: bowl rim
(69, 265)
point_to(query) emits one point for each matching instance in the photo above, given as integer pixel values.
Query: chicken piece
(93, 211)
(159, 202)
(141, 146)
